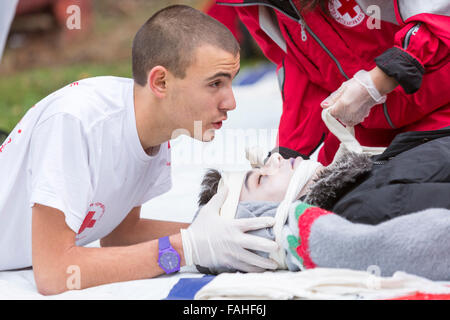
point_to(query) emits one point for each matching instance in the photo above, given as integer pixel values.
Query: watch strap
(164, 243)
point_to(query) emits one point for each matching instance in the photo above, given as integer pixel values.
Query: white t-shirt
(78, 151)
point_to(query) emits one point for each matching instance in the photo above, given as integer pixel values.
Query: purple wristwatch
(168, 259)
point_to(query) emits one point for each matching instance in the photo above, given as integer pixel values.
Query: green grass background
(22, 90)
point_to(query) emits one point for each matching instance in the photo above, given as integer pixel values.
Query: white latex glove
(256, 156)
(215, 242)
(351, 103)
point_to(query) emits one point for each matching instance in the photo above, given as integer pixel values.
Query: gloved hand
(215, 242)
(352, 102)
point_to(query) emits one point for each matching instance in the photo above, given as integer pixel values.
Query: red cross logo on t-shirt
(88, 222)
(96, 211)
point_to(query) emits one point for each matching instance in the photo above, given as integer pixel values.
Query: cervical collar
(304, 172)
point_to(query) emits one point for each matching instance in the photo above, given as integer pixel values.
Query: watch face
(169, 261)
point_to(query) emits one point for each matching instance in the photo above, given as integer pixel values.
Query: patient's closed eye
(261, 178)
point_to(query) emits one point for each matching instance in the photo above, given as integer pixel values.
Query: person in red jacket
(381, 65)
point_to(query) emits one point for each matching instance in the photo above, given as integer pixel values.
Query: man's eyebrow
(218, 75)
(222, 74)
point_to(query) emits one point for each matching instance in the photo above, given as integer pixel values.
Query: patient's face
(270, 182)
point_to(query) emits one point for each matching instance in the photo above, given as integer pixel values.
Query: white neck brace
(302, 175)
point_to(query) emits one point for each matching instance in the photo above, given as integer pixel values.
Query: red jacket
(316, 52)
(225, 14)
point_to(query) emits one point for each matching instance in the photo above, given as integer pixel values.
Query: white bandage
(234, 182)
(256, 155)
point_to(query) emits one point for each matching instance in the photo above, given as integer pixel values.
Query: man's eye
(215, 84)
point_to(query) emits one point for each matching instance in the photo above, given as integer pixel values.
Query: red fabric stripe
(397, 13)
(424, 296)
(305, 222)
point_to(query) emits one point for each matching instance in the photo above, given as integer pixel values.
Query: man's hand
(352, 102)
(216, 242)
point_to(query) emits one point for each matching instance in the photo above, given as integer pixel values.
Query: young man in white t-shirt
(82, 161)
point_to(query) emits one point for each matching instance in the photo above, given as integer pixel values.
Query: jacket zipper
(302, 23)
(304, 27)
(408, 35)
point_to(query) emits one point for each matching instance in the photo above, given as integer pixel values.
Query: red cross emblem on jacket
(348, 6)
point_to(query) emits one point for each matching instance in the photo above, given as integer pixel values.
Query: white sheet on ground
(318, 283)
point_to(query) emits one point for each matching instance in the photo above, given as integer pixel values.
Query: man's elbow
(49, 288)
(50, 281)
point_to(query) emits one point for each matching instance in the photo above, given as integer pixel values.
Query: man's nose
(229, 102)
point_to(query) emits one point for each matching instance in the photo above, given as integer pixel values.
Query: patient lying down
(327, 239)
(258, 192)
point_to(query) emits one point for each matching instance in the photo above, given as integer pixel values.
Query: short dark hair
(169, 39)
(209, 186)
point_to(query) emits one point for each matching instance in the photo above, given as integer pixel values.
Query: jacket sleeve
(420, 46)
(417, 243)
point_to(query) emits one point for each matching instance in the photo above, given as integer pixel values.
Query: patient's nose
(273, 163)
(274, 159)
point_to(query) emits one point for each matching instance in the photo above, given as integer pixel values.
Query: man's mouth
(217, 125)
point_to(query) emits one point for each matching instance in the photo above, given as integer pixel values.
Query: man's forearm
(96, 266)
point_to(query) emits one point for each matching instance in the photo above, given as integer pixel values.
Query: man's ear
(157, 81)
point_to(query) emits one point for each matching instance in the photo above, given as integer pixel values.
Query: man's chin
(209, 135)
(208, 138)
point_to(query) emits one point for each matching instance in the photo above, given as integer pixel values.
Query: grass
(20, 91)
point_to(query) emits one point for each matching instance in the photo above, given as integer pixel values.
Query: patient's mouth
(296, 162)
